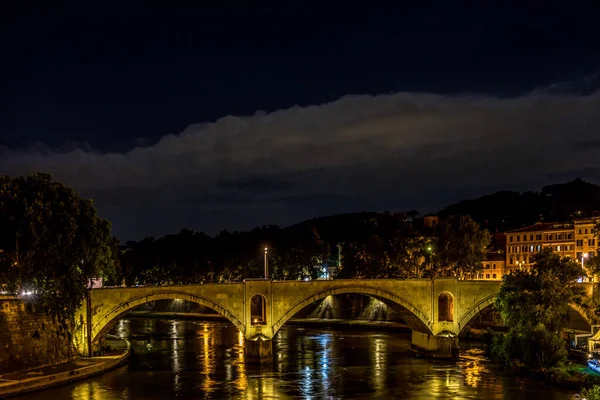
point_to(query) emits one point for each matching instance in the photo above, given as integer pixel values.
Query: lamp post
(430, 259)
(266, 263)
(583, 257)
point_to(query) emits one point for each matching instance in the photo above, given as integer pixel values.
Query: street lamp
(266, 263)
(429, 249)
(520, 264)
(583, 257)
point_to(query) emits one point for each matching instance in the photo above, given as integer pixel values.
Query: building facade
(523, 243)
(493, 267)
(575, 240)
(586, 242)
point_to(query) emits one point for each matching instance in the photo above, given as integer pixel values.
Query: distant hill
(498, 212)
(339, 227)
(509, 210)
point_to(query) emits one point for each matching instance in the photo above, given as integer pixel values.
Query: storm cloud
(397, 152)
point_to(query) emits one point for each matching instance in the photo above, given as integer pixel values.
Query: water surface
(195, 359)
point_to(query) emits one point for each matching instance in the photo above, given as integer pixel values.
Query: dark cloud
(400, 151)
(332, 202)
(256, 185)
(590, 173)
(586, 145)
(229, 201)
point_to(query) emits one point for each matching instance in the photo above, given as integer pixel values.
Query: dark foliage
(52, 242)
(535, 306)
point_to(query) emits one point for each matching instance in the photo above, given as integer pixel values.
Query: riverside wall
(29, 339)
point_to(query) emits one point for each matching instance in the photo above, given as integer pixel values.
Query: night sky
(229, 115)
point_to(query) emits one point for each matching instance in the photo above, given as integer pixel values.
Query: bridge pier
(427, 344)
(258, 351)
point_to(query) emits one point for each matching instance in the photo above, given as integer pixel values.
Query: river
(183, 359)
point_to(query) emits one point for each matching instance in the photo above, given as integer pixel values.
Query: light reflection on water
(188, 360)
(378, 356)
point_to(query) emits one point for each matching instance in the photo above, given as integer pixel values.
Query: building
(575, 240)
(523, 243)
(96, 283)
(586, 242)
(431, 221)
(493, 267)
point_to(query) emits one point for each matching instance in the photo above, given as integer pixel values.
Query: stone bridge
(436, 310)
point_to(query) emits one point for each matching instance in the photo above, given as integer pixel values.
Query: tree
(460, 248)
(388, 248)
(534, 306)
(300, 255)
(591, 394)
(53, 242)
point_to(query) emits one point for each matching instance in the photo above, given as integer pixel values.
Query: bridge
(436, 310)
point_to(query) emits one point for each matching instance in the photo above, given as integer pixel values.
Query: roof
(494, 257)
(544, 226)
(592, 220)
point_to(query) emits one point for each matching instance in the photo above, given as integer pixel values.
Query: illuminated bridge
(436, 310)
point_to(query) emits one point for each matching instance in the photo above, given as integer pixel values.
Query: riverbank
(17, 383)
(308, 322)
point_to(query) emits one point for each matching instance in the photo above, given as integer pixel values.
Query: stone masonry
(28, 339)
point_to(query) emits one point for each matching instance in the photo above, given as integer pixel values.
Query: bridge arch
(103, 324)
(489, 300)
(476, 309)
(415, 318)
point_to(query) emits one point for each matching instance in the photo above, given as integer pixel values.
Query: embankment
(29, 339)
(18, 383)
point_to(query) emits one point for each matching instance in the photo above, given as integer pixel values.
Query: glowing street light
(266, 263)
(583, 257)
(429, 249)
